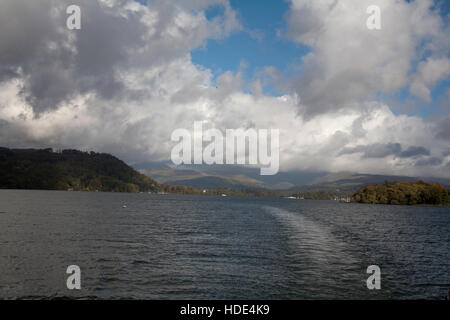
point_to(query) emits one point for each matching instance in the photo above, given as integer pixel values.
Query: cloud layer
(126, 80)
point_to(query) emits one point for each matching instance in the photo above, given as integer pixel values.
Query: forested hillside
(69, 170)
(405, 193)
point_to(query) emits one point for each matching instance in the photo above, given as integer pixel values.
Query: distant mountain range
(237, 177)
(198, 179)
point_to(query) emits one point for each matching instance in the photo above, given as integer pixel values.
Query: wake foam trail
(310, 241)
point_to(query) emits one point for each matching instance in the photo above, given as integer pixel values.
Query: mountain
(69, 170)
(223, 176)
(292, 182)
(207, 180)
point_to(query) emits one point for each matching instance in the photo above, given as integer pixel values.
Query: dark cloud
(379, 150)
(431, 161)
(56, 63)
(375, 150)
(444, 129)
(14, 136)
(414, 151)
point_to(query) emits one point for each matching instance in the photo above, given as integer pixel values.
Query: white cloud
(349, 62)
(428, 74)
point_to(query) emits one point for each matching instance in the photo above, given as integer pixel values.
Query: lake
(206, 247)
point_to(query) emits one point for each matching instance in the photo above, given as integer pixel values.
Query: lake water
(204, 247)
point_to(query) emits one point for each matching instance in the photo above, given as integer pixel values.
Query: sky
(345, 98)
(258, 45)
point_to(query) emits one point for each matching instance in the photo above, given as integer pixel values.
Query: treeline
(216, 191)
(404, 193)
(321, 195)
(69, 170)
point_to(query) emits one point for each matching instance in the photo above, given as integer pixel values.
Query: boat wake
(316, 255)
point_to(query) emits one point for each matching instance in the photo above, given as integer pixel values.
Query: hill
(69, 170)
(404, 193)
(198, 179)
(319, 185)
